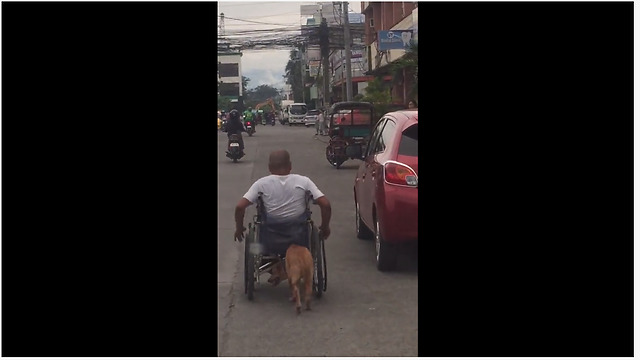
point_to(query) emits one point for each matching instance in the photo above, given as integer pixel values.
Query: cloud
(265, 67)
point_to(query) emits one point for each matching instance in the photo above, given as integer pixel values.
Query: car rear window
(409, 142)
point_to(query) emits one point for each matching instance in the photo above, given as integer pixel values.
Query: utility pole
(347, 50)
(302, 73)
(221, 26)
(324, 52)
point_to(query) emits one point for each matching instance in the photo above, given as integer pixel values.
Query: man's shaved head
(279, 162)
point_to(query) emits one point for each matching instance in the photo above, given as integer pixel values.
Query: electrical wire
(255, 22)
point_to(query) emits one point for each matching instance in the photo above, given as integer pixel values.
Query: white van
(297, 112)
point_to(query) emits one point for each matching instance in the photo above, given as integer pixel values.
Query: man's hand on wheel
(239, 235)
(324, 231)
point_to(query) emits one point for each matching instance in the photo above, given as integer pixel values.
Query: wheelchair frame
(257, 263)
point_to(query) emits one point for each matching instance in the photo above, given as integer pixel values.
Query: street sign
(394, 39)
(356, 18)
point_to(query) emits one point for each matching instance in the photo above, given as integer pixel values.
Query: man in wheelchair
(284, 199)
(283, 218)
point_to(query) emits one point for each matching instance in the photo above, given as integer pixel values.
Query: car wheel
(362, 231)
(386, 253)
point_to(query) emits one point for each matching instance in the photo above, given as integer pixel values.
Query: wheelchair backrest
(262, 213)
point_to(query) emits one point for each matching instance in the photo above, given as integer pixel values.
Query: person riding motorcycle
(235, 126)
(248, 115)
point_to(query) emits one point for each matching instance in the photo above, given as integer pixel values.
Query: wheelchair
(261, 255)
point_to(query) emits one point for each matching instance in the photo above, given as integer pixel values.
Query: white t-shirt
(283, 195)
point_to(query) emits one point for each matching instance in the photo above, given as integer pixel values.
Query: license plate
(234, 144)
(249, 127)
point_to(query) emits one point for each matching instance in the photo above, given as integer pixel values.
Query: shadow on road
(349, 167)
(408, 258)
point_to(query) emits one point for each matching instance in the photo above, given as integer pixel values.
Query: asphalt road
(364, 312)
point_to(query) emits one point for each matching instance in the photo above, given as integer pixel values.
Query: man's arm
(325, 212)
(239, 217)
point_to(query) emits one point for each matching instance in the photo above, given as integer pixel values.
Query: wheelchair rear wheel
(319, 267)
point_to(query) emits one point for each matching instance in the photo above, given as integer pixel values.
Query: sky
(265, 66)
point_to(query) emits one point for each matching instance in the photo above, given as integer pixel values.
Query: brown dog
(299, 265)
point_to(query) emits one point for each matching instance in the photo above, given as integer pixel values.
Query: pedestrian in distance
(412, 104)
(320, 124)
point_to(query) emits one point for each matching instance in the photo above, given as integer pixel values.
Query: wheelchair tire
(318, 263)
(249, 263)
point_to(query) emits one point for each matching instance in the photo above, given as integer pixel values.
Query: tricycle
(350, 126)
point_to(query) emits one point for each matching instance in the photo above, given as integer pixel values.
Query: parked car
(386, 186)
(311, 117)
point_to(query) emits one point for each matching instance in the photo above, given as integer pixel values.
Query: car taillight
(399, 174)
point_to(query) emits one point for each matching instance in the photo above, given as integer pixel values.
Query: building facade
(385, 17)
(358, 62)
(230, 75)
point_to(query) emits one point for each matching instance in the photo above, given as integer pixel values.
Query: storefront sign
(394, 39)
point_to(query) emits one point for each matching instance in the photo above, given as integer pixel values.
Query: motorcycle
(264, 121)
(233, 152)
(250, 129)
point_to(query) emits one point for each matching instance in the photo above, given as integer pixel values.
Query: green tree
(293, 75)
(264, 92)
(379, 95)
(408, 64)
(245, 83)
(224, 103)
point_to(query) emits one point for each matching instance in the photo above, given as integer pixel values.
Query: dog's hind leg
(295, 291)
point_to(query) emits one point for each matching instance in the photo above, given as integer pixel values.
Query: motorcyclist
(248, 115)
(235, 126)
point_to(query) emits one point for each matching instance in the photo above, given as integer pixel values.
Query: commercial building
(389, 27)
(230, 74)
(333, 12)
(359, 78)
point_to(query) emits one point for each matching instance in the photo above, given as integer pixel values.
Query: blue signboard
(394, 39)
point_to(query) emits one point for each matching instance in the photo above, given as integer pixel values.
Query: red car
(386, 186)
